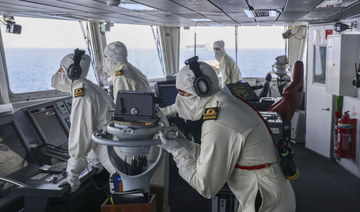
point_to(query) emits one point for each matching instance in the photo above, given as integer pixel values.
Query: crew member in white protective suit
(125, 76)
(230, 72)
(90, 111)
(236, 148)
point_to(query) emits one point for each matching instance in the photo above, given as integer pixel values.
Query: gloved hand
(74, 182)
(170, 145)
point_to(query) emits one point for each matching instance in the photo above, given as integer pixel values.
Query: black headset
(202, 84)
(74, 70)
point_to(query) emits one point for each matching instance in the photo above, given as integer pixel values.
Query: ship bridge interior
(36, 124)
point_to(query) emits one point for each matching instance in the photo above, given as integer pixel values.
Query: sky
(45, 33)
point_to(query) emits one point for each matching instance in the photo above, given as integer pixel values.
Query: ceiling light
(249, 13)
(136, 7)
(261, 13)
(201, 20)
(273, 13)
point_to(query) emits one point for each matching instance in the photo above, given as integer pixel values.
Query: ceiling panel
(5, 7)
(241, 17)
(28, 6)
(180, 12)
(264, 19)
(351, 11)
(164, 5)
(217, 16)
(249, 24)
(167, 16)
(320, 13)
(238, 15)
(192, 15)
(231, 6)
(301, 5)
(45, 7)
(198, 5)
(265, 23)
(291, 16)
(282, 23)
(267, 4)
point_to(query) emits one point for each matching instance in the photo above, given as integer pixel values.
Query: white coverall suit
(90, 111)
(237, 136)
(125, 76)
(230, 72)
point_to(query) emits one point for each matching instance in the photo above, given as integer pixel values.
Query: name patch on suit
(210, 113)
(118, 73)
(79, 92)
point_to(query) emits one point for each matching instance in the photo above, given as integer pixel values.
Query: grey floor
(323, 186)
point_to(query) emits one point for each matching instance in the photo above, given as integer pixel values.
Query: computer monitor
(13, 153)
(242, 90)
(167, 91)
(49, 126)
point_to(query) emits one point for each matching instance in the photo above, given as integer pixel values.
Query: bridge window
(257, 46)
(34, 56)
(142, 52)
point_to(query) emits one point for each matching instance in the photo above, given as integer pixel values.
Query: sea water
(31, 69)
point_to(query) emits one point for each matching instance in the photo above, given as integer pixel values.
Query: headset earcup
(202, 85)
(74, 72)
(69, 71)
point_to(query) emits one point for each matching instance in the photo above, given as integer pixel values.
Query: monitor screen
(242, 90)
(167, 91)
(13, 154)
(50, 127)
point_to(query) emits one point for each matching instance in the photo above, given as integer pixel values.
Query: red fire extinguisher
(344, 137)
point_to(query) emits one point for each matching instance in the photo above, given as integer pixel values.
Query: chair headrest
(298, 72)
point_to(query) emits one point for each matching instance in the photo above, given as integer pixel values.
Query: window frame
(17, 97)
(8, 96)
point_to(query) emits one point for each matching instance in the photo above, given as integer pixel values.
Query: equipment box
(131, 207)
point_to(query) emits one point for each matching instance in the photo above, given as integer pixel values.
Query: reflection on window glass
(140, 44)
(320, 64)
(34, 56)
(257, 46)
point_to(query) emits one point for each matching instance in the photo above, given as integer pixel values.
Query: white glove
(74, 182)
(170, 145)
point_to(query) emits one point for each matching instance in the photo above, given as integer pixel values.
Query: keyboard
(56, 168)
